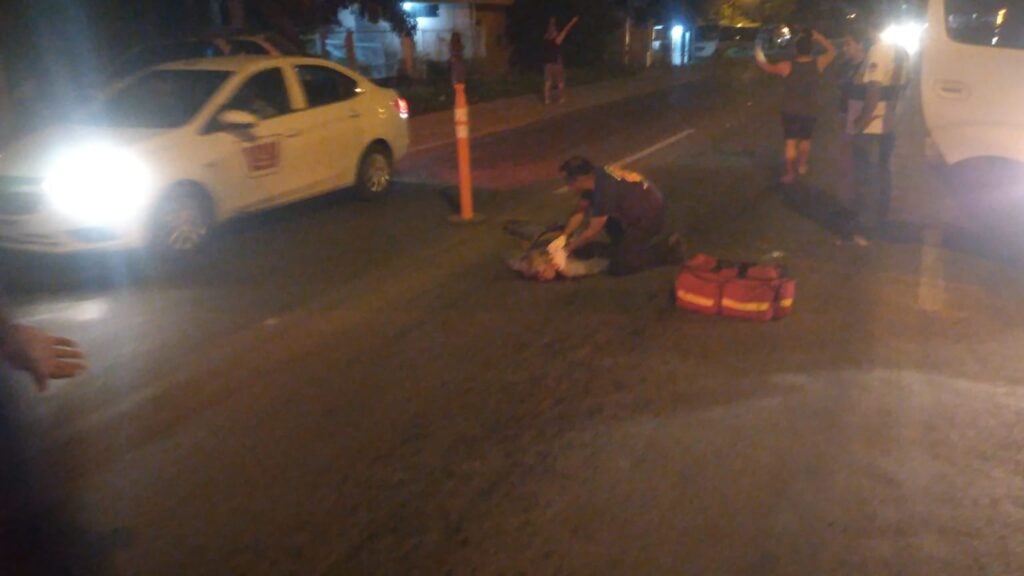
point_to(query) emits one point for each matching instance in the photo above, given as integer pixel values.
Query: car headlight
(99, 185)
(907, 35)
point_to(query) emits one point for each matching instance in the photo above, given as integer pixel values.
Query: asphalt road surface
(362, 388)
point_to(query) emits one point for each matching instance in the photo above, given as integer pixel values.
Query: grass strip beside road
(435, 93)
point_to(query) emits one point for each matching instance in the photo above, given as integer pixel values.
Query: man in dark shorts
(551, 55)
(801, 77)
(624, 205)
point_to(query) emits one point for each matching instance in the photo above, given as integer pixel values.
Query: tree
(287, 17)
(773, 11)
(318, 12)
(738, 11)
(643, 11)
(589, 41)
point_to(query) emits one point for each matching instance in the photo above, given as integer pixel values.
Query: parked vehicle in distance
(706, 42)
(737, 42)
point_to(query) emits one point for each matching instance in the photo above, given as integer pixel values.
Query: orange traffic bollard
(465, 170)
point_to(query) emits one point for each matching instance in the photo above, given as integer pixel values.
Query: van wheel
(374, 178)
(181, 222)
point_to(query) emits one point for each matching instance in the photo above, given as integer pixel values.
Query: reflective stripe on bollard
(462, 142)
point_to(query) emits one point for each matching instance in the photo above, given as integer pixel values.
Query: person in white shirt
(871, 124)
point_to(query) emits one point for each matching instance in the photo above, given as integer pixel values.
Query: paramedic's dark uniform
(636, 215)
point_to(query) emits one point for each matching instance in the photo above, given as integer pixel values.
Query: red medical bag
(748, 291)
(699, 285)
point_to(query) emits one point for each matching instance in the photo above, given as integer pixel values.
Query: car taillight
(402, 106)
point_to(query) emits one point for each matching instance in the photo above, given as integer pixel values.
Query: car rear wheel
(181, 222)
(375, 172)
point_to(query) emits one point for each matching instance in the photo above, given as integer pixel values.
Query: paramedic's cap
(576, 167)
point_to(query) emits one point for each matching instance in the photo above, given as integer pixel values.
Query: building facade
(378, 50)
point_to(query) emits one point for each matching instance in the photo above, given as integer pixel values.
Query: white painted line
(645, 152)
(474, 135)
(648, 151)
(931, 287)
(431, 146)
(80, 311)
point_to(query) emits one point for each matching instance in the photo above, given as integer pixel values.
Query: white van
(972, 78)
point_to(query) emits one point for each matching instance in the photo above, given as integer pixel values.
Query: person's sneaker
(860, 240)
(855, 240)
(803, 170)
(675, 250)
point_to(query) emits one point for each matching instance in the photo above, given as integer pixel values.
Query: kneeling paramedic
(623, 204)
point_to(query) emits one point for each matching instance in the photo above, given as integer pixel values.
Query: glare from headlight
(907, 35)
(99, 185)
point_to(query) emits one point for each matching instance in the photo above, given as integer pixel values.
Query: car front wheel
(181, 223)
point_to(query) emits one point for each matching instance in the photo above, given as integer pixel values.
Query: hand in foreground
(43, 355)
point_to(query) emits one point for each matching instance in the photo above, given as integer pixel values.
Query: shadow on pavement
(1001, 245)
(328, 223)
(831, 214)
(818, 206)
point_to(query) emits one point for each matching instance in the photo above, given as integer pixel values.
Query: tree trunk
(626, 47)
(236, 14)
(5, 104)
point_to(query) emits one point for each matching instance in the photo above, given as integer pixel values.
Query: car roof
(240, 63)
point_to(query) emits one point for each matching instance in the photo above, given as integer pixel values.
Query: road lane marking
(651, 150)
(931, 286)
(69, 311)
(643, 153)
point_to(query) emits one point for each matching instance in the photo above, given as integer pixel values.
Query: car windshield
(159, 99)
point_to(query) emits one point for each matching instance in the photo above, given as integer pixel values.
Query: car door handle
(952, 89)
(293, 134)
(354, 114)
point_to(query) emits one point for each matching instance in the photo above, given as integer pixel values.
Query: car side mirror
(237, 119)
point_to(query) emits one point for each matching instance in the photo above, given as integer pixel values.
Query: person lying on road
(545, 260)
(624, 205)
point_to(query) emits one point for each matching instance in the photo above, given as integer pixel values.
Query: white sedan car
(183, 146)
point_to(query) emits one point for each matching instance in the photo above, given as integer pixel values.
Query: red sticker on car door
(262, 157)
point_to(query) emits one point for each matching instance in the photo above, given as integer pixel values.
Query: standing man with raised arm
(554, 70)
(801, 77)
